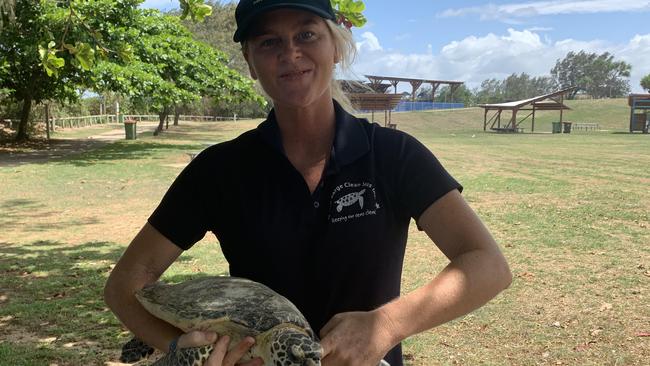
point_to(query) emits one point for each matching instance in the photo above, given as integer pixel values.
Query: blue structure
(405, 106)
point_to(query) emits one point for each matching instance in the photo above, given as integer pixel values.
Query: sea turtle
(236, 307)
(349, 200)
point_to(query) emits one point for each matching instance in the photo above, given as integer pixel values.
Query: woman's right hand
(220, 355)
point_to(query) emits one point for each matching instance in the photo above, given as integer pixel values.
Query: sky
(471, 41)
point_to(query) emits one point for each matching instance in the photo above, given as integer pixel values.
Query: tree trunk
(24, 118)
(162, 117)
(177, 113)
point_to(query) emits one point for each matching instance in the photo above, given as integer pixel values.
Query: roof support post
(453, 88)
(394, 84)
(485, 120)
(415, 84)
(513, 120)
(434, 87)
(533, 125)
(561, 109)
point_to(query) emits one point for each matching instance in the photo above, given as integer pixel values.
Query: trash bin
(557, 127)
(130, 127)
(567, 127)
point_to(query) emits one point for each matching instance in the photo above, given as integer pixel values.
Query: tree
(490, 91)
(645, 83)
(217, 31)
(598, 75)
(54, 47)
(171, 69)
(50, 47)
(461, 95)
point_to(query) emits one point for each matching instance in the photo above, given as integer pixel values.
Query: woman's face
(292, 54)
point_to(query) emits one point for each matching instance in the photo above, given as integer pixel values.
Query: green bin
(130, 127)
(557, 127)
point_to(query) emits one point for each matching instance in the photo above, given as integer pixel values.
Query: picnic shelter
(547, 102)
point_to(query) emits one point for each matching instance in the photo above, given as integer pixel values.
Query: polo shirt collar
(350, 138)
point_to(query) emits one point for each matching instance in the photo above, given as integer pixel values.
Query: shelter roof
(641, 99)
(376, 78)
(537, 101)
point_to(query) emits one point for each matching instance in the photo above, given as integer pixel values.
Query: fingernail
(250, 340)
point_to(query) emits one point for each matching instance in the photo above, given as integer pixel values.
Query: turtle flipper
(195, 356)
(135, 350)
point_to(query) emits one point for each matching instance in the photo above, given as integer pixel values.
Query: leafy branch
(85, 53)
(349, 12)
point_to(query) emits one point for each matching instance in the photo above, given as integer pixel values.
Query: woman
(315, 204)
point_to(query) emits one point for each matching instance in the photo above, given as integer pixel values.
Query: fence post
(47, 120)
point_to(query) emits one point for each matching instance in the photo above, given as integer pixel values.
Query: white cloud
(370, 43)
(476, 58)
(510, 12)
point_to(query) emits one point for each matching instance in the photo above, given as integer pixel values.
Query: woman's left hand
(356, 339)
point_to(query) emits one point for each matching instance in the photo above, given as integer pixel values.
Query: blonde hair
(346, 51)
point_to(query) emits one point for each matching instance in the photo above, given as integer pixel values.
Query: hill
(610, 114)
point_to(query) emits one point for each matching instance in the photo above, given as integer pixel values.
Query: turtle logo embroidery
(352, 201)
(349, 200)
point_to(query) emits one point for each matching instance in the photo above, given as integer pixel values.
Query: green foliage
(49, 50)
(217, 31)
(196, 10)
(55, 47)
(514, 87)
(51, 63)
(461, 94)
(598, 75)
(645, 82)
(350, 12)
(170, 68)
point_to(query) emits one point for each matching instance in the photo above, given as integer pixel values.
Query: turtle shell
(229, 305)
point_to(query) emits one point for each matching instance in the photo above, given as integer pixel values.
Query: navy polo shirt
(337, 249)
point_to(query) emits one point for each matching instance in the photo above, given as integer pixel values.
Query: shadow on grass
(126, 151)
(54, 290)
(88, 152)
(27, 214)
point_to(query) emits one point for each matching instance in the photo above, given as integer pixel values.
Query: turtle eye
(297, 352)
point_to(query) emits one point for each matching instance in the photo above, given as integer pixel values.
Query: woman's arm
(144, 261)
(146, 258)
(476, 273)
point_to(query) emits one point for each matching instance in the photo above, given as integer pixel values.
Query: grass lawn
(571, 212)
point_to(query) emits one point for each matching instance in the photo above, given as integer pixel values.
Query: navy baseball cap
(248, 10)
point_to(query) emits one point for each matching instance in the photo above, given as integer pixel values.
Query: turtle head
(294, 347)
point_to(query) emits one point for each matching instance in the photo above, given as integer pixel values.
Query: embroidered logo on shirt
(352, 200)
